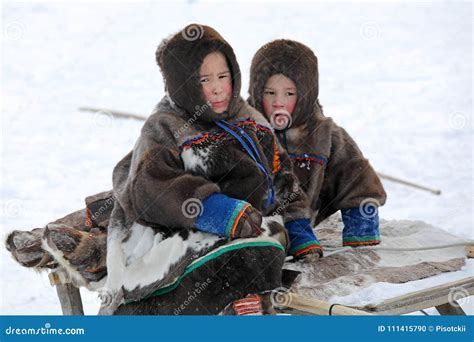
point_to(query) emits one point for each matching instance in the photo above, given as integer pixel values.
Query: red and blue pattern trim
(205, 139)
(220, 135)
(309, 157)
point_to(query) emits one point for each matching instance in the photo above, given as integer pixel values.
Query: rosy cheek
(267, 107)
(228, 89)
(290, 106)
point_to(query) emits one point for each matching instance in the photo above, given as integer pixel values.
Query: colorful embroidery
(206, 138)
(301, 250)
(276, 158)
(304, 159)
(361, 241)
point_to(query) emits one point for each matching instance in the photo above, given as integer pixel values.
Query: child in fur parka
(204, 171)
(331, 168)
(204, 145)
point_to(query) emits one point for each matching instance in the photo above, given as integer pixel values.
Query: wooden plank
(68, 294)
(438, 296)
(423, 299)
(317, 307)
(451, 310)
(70, 299)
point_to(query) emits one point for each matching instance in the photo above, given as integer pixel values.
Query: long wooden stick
(126, 115)
(115, 113)
(318, 307)
(413, 185)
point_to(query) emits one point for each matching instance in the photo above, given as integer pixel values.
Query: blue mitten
(302, 238)
(226, 216)
(360, 229)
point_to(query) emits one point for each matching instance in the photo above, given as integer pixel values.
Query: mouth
(218, 104)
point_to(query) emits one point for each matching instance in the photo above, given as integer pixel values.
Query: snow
(383, 291)
(397, 76)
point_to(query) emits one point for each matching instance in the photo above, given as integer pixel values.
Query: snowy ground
(397, 76)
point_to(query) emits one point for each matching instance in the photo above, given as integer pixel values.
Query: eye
(290, 93)
(268, 92)
(204, 80)
(223, 76)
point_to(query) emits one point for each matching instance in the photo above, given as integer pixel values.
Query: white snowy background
(397, 76)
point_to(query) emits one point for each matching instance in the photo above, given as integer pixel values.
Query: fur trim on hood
(297, 62)
(180, 58)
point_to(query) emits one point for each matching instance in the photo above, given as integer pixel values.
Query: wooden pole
(317, 307)
(450, 310)
(115, 113)
(69, 295)
(413, 185)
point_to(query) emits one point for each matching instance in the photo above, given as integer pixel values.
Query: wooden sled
(437, 296)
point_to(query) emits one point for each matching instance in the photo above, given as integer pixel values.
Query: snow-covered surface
(362, 276)
(383, 291)
(397, 76)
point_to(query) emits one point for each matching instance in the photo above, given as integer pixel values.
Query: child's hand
(249, 224)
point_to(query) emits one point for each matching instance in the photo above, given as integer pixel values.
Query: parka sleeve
(355, 178)
(156, 189)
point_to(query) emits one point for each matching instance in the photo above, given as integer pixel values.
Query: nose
(216, 88)
(278, 102)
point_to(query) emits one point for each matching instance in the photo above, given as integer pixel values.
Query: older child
(330, 166)
(204, 145)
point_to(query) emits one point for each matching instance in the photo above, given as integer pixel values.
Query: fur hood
(297, 62)
(181, 56)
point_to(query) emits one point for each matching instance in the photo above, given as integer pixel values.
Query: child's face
(279, 94)
(216, 81)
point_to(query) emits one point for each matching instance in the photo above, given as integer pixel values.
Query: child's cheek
(228, 89)
(207, 93)
(290, 106)
(267, 107)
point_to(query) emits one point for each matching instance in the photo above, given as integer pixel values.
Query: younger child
(331, 168)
